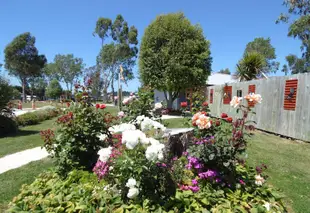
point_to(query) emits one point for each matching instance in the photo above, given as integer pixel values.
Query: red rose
(68, 104)
(184, 104)
(229, 119)
(70, 114)
(194, 123)
(224, 115)
(204, 113)
(205, 104)
(103, 106)
(97, 106)
(218, 122)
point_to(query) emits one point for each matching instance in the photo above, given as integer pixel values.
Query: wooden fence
(285, 108)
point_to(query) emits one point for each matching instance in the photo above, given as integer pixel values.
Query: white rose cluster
(122, 127)
(133, 190)
(102, 137)
(147, 124)
(104, 154)
(158, 106)
(155, 151)
(131, 138)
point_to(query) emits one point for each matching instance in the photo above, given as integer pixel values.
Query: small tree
(22, 59)
(263, 47)
(93, 74)
(250, 66)
(295, 65)
(66, 68)
(174, 55)
(54, 89)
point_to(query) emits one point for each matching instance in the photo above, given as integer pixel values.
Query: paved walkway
(22, 158)
(19, 159)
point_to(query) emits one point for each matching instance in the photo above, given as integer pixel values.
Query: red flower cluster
(184, 104)
(47, 136)
(65, 118)
(205, 104)
(229, 119)
(217, 122)
(224, 115)
(101, 106)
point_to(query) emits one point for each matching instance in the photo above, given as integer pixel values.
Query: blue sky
(66, 26)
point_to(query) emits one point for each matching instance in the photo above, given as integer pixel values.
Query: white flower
(155, 151)
(122, 127)
(235, 101)
(102, 137)
(104, 154)
(132, 137)
(158, 106)
(106, 188)
(111, 168)
(148, 124)
(132, 193)
(259, 180)
(267, 206)
(121, 114)
(140, 118)
(131, 183)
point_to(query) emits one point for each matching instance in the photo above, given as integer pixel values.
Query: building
(213, 80)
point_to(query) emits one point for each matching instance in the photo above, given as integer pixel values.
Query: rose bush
(134, 175)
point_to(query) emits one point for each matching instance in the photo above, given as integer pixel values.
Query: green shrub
(7, 125)
(76, 141)
(32, 118)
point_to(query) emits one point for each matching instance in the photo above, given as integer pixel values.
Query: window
(211, 96)
(239, 93)
(227, 94)
(290, 94)
(252, 89)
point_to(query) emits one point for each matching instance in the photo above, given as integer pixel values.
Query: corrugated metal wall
(270, 114)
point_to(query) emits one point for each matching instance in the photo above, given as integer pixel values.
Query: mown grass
(26, 138)
(11, 181)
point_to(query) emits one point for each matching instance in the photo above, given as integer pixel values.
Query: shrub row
(32, 118)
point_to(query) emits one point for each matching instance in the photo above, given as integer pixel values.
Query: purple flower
(185, 153)
(194, 188)
(217, 180)
(175, 158)
(101, 169)
(208, 174)
(194, 182)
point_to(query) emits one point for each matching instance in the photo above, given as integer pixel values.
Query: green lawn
(288, 167)
(11, 181)
(26, 138)
(176, 123)
(39, 104)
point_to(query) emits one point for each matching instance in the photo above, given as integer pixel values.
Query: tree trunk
(24, 87)
(105, 95)
(112, 87)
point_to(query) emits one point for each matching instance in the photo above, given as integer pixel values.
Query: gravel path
(18, 159)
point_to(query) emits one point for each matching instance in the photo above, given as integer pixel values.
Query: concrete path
(165, 117)
(19, 112)
(19, 159)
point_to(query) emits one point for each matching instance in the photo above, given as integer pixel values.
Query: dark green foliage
(6, 93)
(7, 125)
(22, 59)
(250, 66)
(174, 55)
(263, 47)
(54, 89)
(32, 118)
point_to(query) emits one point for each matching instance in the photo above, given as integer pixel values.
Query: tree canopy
(264, 47)
(66, 68)
(225, 71)
(250, 66)
(22, 59)
(54, 89)
(299, 11)
(295, 65)
(121, 50)
(174, 55)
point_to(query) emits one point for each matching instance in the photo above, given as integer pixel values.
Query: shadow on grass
(21, 133)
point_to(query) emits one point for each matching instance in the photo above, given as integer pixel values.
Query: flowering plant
(82, 131)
